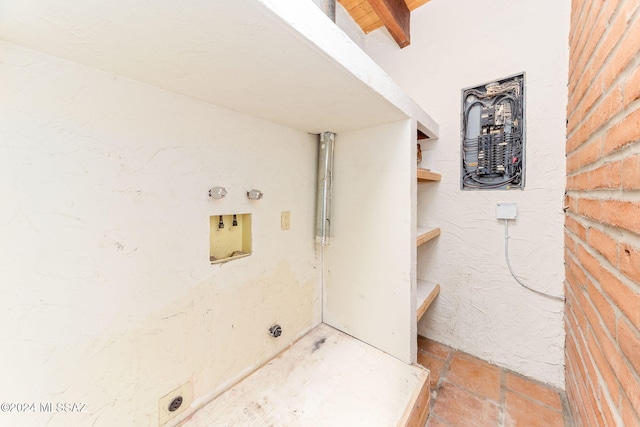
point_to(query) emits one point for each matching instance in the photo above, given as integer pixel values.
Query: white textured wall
(108, 295)
(456, 44)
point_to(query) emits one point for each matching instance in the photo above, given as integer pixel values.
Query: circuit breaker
(493, 137)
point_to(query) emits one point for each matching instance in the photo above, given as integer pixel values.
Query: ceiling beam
(395, 16)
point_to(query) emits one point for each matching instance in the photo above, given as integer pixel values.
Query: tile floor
(468, 392)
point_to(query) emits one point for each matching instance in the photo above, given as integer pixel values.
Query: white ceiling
(299, 70)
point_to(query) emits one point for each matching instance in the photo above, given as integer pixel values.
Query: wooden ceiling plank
(414, 4)
(395, 15)
(368, 19)
(356, 8)
(370, 22)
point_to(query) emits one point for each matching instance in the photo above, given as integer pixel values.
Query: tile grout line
(443, 374)
(501, 403)
(539, 402)
(503, 399)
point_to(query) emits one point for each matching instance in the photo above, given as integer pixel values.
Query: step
(327, 378)
(426, 293)
(424, 234)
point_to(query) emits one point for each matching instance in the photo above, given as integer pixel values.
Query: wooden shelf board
(427, 175)
(424, 234)
(318, 79)
(426, 293)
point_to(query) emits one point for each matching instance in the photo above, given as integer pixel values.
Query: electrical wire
(505, 94)
(506, 256)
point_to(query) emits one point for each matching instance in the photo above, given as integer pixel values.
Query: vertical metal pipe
(325, 171)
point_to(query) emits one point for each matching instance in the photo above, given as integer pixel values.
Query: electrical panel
(493, 137)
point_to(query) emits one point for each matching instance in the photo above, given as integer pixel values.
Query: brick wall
(602, 228)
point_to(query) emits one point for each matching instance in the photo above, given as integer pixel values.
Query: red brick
(610, 385)
(573, 162)
(569, 243)
(579, 319)
(582, 54)
(604, 244)
(572, 203)
(575, 362)
(605, 177)
(626, 299)
(592, 393)
(630, 385)
(576, 228)
(630, 344)
(578, 182)
(621, 214)
(576, 139)
(607, 412)
(591, 152)
(603, 307)
(577, 272)
(588, 15)
(629, 262)
(615, 31)
(592, 315)
(594, 92)
(606, 109)
(580, 89)
(589, 208)
(631, 171)
(624, 52)
(577, 9)
(630, 415)
(589, 262)
(632, 88)
(623, 133)
(619, 29)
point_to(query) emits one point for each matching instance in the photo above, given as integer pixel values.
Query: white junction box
(506, 211)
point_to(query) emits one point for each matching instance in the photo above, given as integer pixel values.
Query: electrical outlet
(285, 220)
(174, 403)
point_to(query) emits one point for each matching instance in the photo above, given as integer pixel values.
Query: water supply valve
(254, 194)
(217, 192)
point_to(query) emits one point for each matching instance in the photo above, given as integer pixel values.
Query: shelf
(427, 175)
(282, 61)
(426, 293)
(424, 234)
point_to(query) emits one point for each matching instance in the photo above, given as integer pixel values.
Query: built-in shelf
(426, 293)
(304, 74)
(424, 234)
(427, 175)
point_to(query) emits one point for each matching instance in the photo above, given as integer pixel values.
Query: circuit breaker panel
(493, 137)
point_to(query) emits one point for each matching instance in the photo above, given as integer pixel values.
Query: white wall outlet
(174, 403)
(506, 211)
(285, 220)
